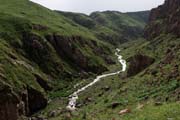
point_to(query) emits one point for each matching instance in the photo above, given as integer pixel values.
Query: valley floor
(140, 99)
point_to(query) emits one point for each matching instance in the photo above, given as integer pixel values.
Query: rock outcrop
(14, 105)
(124, 111)
(138, 63)
(164, 19)
(65, 48)
(68, 49)
(10, 104)
(36, 100)
(43, 83)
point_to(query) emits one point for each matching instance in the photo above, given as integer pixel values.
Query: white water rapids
(73, 98)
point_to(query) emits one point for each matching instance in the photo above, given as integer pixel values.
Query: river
(74, 97)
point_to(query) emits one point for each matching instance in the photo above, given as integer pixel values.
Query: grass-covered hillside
(46, 55)
(112, 26)
(42, 51)
(151, 94)
(148, 94)
(150, 88)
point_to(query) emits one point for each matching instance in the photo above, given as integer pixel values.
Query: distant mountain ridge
(112, 26)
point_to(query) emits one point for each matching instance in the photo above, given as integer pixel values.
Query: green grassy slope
(22, 19)
(141, 16)
(151, 94)
(50, 52)
(43, 50)
(40, 15)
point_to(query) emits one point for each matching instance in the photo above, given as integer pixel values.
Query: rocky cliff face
(16, 104)
(138, 63)
(9, 108)
(164, 19)
(68, 48)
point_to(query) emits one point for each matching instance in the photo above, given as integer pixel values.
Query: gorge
(57, 65)
(73, 98)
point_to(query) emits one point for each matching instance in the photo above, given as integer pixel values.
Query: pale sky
(88, 6)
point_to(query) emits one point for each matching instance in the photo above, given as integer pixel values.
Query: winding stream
(73, 98)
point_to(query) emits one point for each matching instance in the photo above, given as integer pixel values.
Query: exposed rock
(168, 59)
(43, 83)
(84, 75)
(138, 63)
(11, 107)
(115, 104)
(32, 41)
(24, 98)
(38, 50)
(39, 27)
(14, 105)
(37, 118)
(124, 111)
(88, 99)
(36, 99)
(140, 106)
(79, 105)
(52, 114)
(55, 113)
(67, 49)
(164, 19)
(154, 72)
(106, 88)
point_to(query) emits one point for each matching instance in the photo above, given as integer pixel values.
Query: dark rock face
(36, 100)
(39, 51)
(39, 27)
(34, 48)
(114, 105)
(67, 49)
(14, 105)
(43, 83)
(10, 105)
(138, 63)
(164, 19)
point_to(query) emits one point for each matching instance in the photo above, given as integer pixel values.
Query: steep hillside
(112, 26)
(164, 20)
(150, 88)
(142, 16)
(42, 51)
(46, 55)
